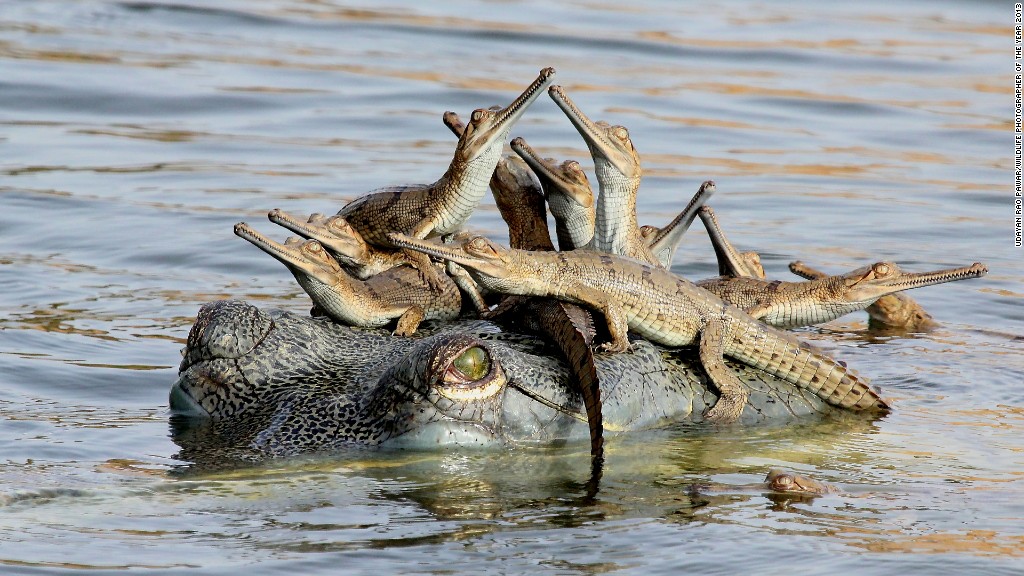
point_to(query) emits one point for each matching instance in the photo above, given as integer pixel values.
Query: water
(134, 135)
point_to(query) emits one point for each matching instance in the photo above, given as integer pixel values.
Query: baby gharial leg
(409, 321)
(732, 394)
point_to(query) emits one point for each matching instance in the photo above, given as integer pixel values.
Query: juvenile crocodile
(890, 311)
(618, 171)
(395, 293)
(255, 383)
(794, 304)
(568, 193)
(443, 207)
(342, 241)
(664, 241)
(663, 308)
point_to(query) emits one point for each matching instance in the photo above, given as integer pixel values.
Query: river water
(134, 135)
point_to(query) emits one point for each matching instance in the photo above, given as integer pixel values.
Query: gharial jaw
(301, 257)
(488, 127)
(333, 232)
(611, 143)
(870, 283)
(474, 252)
(568, 178)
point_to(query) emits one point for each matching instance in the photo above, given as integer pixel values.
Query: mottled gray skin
(269, 383)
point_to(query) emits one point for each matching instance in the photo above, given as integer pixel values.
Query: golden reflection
(771, 92)
(694, 121)
(849, 45)
(978, 542)
(129, 467)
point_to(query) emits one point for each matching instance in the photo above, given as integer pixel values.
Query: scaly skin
(731, 262)
(395, 293)
(665, 309)
(517, 195)
(891, 311)
(521, 204)
(794, 304)
(568, 326)
(663, 242)
(617, 166)
(261, 383)
(441, 208)
(342, 241)
(568, 193)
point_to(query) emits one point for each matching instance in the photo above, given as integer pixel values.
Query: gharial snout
(225, 329)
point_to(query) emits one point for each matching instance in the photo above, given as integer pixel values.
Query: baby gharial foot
(615, 346)
(409, 322)
(430, 273)
(727, 410)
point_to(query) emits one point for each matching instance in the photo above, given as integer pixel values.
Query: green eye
(474, 363)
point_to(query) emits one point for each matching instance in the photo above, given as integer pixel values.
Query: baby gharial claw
(615, 347)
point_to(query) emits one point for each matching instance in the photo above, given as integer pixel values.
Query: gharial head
(609, 145)
(489, 127)
(304, 258)
(789, 483)
(484, 258)
(512, 177)
(566, 179)
(334, 233)
(871, 282)
(275, 383)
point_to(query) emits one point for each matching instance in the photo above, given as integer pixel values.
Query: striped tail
(789, 359)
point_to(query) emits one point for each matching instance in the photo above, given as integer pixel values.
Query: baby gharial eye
(883, 269)
(478, 114)
(313, 247)
(339, 224)
(571, 166)
(784, 480)
(620, 133)
(479, 244)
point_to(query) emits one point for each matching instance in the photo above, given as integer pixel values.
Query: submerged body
(270, 382)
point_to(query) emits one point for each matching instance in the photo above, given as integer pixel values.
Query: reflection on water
(135, 134)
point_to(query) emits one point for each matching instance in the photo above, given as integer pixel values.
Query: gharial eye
(621, 133)
(478, 243)
(473, 364)
(314, 246)
(882, 269)
(471, 376)
(784, 480)
(478, 115)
